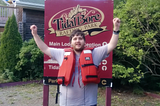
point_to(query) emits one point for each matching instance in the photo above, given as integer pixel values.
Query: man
(76, 93)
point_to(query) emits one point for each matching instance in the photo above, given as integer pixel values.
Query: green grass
(127, 98)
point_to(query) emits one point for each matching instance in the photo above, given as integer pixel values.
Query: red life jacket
(88, 69)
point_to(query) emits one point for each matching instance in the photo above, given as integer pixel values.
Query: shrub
(30, 64)
(7, 76)
(126, 75)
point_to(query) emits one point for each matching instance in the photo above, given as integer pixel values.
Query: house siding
(29, 18)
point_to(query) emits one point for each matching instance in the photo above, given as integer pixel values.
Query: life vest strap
(57, 94)
(91, 76)
(84, 65)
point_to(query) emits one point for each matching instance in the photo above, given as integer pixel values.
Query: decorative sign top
(85, 18)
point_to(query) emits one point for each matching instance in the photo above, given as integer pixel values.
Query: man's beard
(80, 49)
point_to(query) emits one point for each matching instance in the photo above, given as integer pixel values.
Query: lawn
(32, 95)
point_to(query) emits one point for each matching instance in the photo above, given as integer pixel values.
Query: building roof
(33, 1)
(29, 4)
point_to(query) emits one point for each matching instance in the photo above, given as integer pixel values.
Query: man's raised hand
(116, 23)
(33, 29)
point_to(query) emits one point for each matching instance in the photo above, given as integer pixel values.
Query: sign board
(94, 17)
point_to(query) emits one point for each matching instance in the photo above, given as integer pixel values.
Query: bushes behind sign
(30, 64)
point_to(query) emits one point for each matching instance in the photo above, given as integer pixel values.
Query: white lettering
(65, 44)
(53, 67)
(104, 68)
(92, 45)
(54, 44)
(104, 43)
(104, 62)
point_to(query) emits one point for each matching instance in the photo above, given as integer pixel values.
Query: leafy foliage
(126, 75)
(139, 40)
(7, 76)
(30, 64)
(11, 42)
(117, 2)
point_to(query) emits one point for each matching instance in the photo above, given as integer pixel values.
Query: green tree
(139, 40)
(11, 42)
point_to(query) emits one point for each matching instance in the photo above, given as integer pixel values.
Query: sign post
(45, 95)
(94, 18)
(108, 96)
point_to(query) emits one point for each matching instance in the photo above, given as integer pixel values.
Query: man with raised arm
(77, 75)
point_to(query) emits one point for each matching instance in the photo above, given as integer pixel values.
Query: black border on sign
(53, 81)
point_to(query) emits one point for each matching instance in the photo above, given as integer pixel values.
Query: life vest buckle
(65, 57)
(62, 80)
